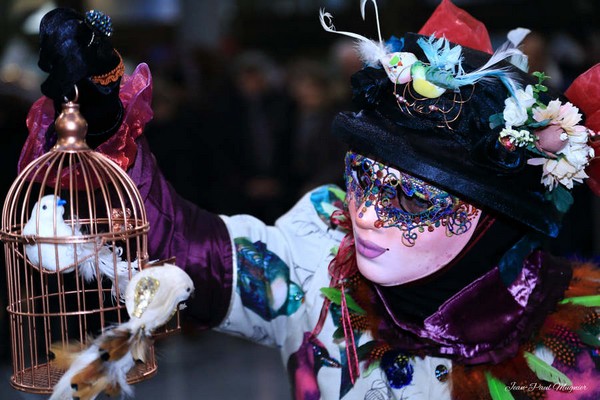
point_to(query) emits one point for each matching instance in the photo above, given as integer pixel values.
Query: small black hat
(75, 50)
(72, 48)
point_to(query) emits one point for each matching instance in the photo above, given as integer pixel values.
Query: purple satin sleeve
(198, 239)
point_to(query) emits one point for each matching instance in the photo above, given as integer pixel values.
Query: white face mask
(404, 229)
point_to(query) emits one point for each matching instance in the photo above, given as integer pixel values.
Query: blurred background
(244, 95)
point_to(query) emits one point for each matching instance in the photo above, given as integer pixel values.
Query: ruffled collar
(136, 96)
(486, 321)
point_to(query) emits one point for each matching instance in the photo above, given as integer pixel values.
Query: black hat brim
(445, 163)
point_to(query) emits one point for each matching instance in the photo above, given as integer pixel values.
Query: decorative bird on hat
(441, 72)
(46, 221)
(152, 297)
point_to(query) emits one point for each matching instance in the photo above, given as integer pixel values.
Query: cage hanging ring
(76, 96)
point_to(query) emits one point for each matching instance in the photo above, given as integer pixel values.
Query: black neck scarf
(418, 300)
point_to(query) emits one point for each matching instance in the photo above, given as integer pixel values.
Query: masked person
(423, 280)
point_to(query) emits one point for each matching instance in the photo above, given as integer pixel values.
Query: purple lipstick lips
(368, 249)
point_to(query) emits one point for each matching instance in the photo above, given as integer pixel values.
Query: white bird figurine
(46, 221)
(152, 297)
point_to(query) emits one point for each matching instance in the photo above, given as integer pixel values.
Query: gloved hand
(75, 49)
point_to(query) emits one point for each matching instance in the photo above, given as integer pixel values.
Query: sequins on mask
(403, 201)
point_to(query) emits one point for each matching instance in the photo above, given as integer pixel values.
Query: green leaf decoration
(372, 367)
(335, 296)
(545, 371)
(537, 152)
(334, 250)
(539, 88)
(496, 120)
(498, 390)
(562, 198)
(339, 193)
(338, 334)
(589, 338)
(539, 124)
(540, 75)
(586, 301)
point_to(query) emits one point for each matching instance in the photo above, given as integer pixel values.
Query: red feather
(458, 26)
(584, 92)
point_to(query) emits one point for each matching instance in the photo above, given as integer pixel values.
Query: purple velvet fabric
(487, 321)
(198, 239)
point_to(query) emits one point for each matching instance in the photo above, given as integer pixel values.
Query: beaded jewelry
(99, 22)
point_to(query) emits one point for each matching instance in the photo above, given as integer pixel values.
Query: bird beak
(61, 202)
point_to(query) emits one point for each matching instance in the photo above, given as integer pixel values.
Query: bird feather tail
(90, 381)
(140, 346)
(114, 345)
(62, 356)
(504, 52)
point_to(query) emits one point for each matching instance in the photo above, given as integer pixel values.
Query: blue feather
(445, 65)
(440, 55)
(395, 44)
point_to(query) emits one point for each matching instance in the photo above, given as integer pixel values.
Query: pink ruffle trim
(136, 96)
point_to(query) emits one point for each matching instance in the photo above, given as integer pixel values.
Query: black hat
(71, 49)
(75, 50)
(445, 118)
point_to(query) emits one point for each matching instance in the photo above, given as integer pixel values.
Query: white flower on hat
(551, 131)
(519, 138)
(515, 108)
(557, 171)
(578, 154)
(565, 115)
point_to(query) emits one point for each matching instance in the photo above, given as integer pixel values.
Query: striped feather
(545, 371)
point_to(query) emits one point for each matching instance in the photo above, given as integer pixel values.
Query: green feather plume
(588, 338)
(545, 371)
(498, 390)
(586, 301)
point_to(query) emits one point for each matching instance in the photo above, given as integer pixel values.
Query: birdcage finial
(71, 127)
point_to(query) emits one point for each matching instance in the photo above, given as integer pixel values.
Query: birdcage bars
(105, 210)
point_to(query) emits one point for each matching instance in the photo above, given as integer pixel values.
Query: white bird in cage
(152, 297)
(46, 221)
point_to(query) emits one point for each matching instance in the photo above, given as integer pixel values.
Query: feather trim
(369, 50)
(445, 69)
(363, 4)
(115, 345)
(585, 281)
(516, 36)
(545, 371)
(498, 390)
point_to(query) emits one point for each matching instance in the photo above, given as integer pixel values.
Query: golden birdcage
(67, 263)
